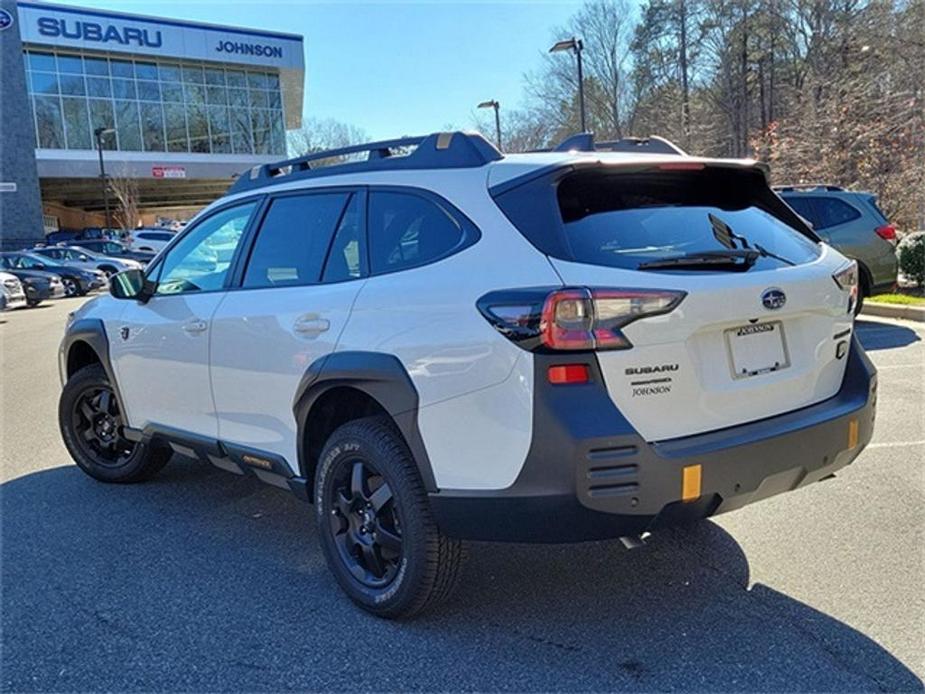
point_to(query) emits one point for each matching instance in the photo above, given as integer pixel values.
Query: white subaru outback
(440, 343)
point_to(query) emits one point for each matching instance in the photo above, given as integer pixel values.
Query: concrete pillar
(20, 211)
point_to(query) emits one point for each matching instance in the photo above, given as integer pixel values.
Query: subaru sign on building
(189, 104)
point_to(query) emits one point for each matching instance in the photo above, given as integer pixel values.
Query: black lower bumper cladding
(589, 475)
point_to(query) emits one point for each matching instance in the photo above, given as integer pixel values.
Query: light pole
(495, 105)
(99, 132)
(577, 46)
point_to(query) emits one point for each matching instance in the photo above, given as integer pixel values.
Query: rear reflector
(887, 232)
(690, 483)
(568, 373)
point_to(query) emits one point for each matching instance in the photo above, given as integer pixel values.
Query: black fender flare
(380, 376)
(92, 332)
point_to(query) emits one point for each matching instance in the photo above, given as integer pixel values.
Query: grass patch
(901, 299)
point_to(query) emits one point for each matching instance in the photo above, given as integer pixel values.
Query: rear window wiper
(735, 259)
(726, 236)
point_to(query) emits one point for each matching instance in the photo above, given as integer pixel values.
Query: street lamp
(99, 132)
(495, 105)
(577, 46)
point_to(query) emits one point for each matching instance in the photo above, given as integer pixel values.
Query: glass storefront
(154, 106)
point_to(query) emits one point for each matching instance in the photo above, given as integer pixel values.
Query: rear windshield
(624, 220)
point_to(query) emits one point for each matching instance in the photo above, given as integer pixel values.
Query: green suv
(852, 223)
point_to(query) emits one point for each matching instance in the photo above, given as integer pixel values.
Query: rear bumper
(589, 475)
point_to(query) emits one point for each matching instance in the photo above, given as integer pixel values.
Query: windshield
(632, 219)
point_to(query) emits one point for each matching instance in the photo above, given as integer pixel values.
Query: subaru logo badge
(773, 298)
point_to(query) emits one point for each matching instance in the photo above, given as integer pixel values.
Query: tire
(361, 512)
(71, 287)
(860, 303)
(99, 449)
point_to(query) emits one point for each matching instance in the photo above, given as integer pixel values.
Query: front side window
(293, 240)
(407, 230)
(201, 259)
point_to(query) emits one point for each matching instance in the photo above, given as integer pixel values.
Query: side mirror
(131, 284)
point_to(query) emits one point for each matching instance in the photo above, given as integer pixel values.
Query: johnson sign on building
(208, 100)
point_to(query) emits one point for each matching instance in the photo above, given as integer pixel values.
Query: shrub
(912, 258)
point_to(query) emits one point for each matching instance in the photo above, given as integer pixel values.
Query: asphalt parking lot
(200, 580)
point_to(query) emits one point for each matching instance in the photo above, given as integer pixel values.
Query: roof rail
(584, 142)
(807, 186)
(450, 150)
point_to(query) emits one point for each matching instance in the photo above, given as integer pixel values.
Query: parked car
(456, 344)
(113, 249)
(14, 296)
(87, 233)
(151, 240)
(39, 285)
(87, 260)
(76, 282)
(851, 222)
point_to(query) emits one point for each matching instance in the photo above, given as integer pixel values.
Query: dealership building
(185, 107)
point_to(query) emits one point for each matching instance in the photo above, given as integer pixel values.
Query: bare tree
(125, 189)
(319, 135)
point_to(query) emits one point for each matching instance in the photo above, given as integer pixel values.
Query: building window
(154, 106)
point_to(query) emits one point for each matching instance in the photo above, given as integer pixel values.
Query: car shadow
(875, 335)
(200, 580)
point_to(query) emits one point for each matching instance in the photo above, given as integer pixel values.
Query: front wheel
(375, 525)
(71, 287)
(91, 425)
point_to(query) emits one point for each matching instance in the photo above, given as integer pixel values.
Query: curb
(913, 313)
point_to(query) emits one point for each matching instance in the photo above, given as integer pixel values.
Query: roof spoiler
(790, 188)
(449, 150)
(584, 142)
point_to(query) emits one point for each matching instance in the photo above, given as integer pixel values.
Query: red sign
(168, 171)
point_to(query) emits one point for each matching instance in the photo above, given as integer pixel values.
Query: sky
(394, 68)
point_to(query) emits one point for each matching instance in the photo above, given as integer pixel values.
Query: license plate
(758, 348)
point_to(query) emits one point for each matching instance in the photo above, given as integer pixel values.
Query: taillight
(848, 280)
(573, 319)
(887, 232)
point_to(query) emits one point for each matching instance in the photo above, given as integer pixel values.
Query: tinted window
(833, 212)
(407, 230)
(201, 259)
(346, 259)
(293, 240)
(804, 207)
(626, 220)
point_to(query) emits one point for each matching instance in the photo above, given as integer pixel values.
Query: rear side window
(823, 212)
(293, 240)
(832, 212)
(625, 220)
(804, 207)
(347, 256)
(408, 230)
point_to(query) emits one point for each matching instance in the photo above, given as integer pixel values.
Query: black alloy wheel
(98, 423)
(365, 524)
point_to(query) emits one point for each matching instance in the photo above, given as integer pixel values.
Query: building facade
(181, 107)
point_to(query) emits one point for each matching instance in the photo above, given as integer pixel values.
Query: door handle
(311, 325)
(195, 326)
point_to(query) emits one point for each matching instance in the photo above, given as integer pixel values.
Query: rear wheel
(375, 525)
(92, 428)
